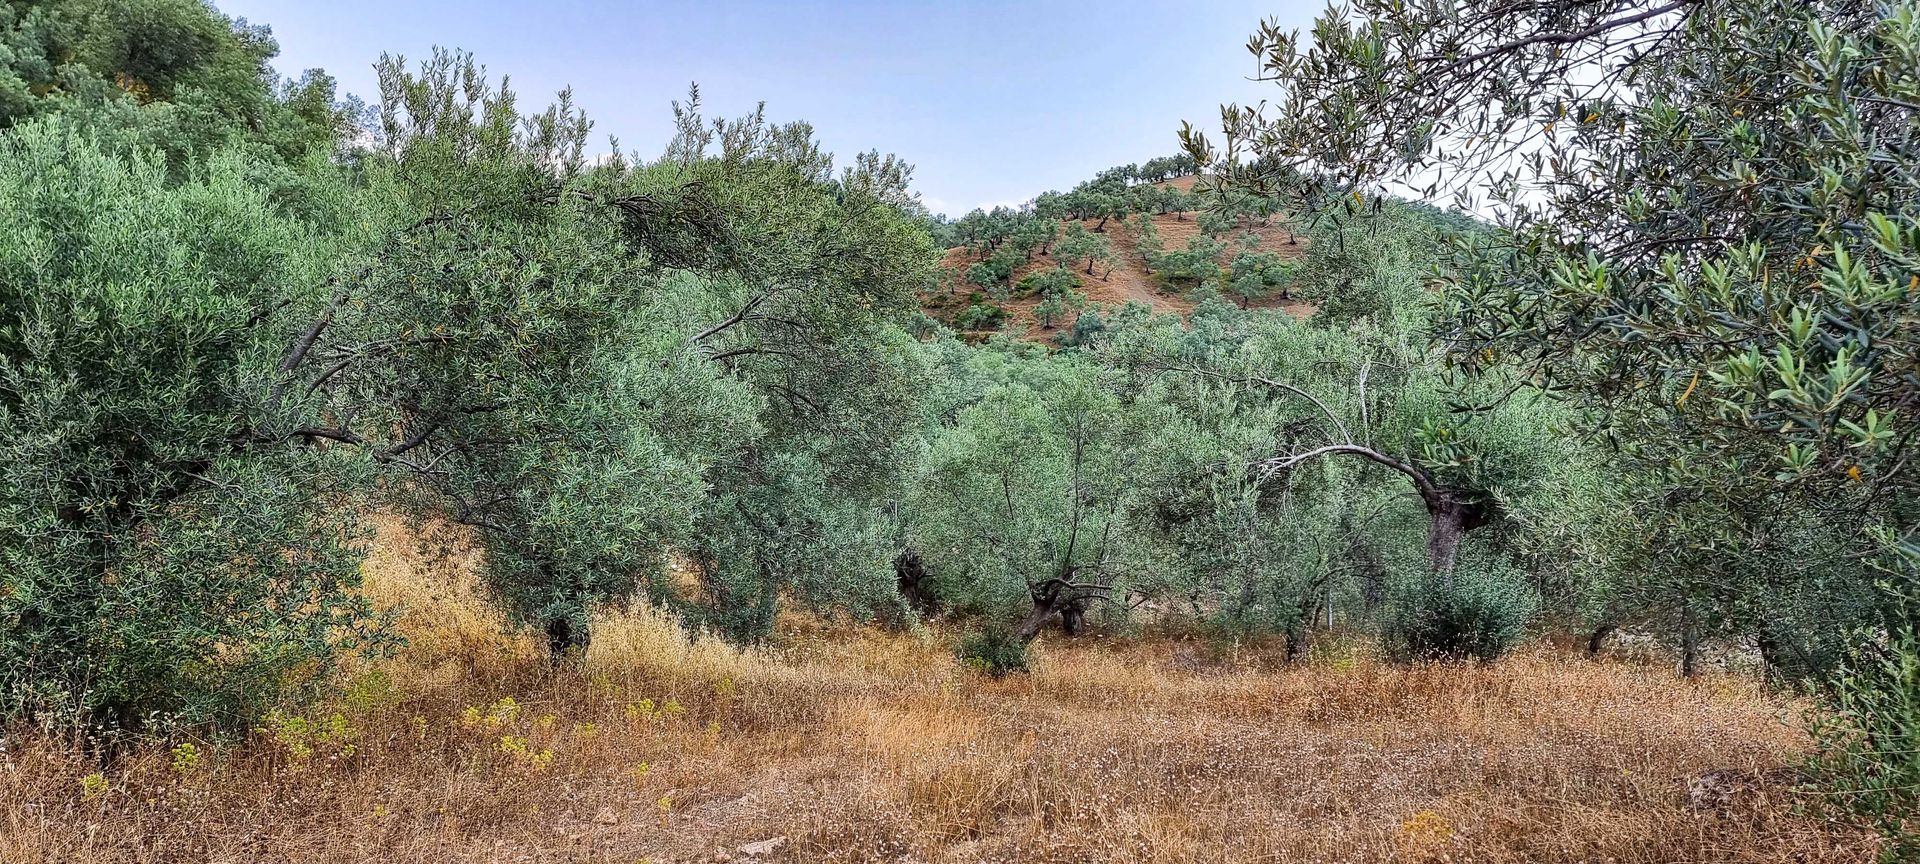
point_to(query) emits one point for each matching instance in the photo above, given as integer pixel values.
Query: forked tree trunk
(1036, 620)
(1049, 600)
(1451, 512)
(910, 574)
(1452, 516)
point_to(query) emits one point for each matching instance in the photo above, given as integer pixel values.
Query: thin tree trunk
(1772, 652)
(1598, 639)
(1689, 646)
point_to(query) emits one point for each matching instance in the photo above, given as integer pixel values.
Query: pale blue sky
(992, 101)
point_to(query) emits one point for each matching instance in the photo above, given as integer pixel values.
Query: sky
(993, 102)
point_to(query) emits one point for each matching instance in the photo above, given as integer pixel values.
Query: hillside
(1128, 281)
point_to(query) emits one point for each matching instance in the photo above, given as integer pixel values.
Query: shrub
(1052, 279)
(994, 651)
(1869, 743)
(1481, 615)
(981, 316)
(1086, 330)
(162, 559)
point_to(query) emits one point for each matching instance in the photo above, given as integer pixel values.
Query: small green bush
(1047, 280)
(1481, 616)
(994, 651)
(981, 316)
(1867, 741)
(1869, 744)
(1087, 328)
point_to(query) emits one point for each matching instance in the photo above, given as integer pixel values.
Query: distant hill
(1129, 279)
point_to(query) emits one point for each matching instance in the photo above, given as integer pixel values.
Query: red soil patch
(1184, 184)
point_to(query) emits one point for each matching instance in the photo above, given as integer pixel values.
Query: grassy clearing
(864, 745)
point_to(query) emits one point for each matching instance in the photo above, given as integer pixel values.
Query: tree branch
(1430, 492)
(1561, 38)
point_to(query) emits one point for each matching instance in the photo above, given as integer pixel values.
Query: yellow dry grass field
(844, 744)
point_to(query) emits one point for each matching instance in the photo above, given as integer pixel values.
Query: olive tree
(1019, 507)
(1706, 227)
(169, 556)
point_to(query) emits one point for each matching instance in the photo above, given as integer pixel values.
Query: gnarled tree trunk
(1046, 603)
(910, 575)
(1073, 616)
(1054, 597)
(1453, 514)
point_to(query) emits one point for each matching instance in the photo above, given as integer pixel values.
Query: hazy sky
(992, 101)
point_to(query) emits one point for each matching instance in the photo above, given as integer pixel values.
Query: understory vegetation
(1599, 326)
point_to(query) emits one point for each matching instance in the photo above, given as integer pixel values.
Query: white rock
(764, 847)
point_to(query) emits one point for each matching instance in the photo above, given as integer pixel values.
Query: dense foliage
(1705, 229)
(1664, 386)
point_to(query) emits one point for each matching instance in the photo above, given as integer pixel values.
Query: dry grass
(862, 745)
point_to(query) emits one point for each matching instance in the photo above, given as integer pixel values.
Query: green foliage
(993, 651)
(1868, 738)
(1025, 488)
(1709, 252)
(214, 350)
(168, 75)
(167, 557)
(981, 316)
(1480, 615)
(1166, 167)
(1192, 266)
(1086, 329)
(1217, 224)
(993, 272)
(514, 360)
(1051, 280)
(1057, 304)
(1077, 245)
(1146, 239)
(1253, 274)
